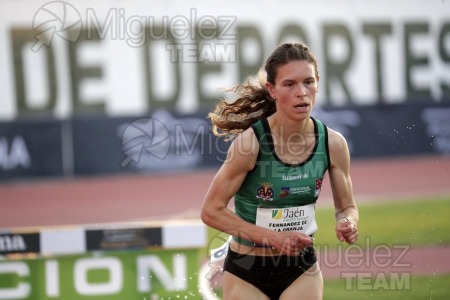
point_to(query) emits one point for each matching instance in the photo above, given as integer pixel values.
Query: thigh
(235, 288)
(309, 284)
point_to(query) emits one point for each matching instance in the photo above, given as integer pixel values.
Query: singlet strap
(266, 144)
(262, 134)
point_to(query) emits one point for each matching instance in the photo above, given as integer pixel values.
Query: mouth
(302, 106)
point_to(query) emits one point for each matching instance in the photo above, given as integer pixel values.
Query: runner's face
(295, 89)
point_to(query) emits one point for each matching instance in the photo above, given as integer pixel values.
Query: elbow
(206, 216)
(210, 215)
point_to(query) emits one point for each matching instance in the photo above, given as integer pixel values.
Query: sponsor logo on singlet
(284, 192)
(265, 192)
(294, 177)
(318, 187)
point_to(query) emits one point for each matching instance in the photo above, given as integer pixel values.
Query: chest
(276, 185)
(296, 151)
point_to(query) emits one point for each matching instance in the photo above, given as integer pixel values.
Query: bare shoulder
(336, 140)
(337, 145)
(246, 143)
(244, 149)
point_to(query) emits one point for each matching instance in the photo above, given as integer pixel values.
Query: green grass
(417, 288)
(418, 222)
(415, 223)
(412, 288)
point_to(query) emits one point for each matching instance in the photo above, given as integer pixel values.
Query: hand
(347, 230)
(290, 242)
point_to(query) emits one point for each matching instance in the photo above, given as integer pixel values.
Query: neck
(289, 130)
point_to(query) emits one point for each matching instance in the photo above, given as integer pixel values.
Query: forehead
(295, 70)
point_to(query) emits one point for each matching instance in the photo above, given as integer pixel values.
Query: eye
(310, 81)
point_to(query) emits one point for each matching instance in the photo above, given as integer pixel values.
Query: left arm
(347, 215)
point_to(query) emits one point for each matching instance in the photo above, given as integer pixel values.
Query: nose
(302, 91)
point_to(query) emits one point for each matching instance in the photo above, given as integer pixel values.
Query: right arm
(241, 158)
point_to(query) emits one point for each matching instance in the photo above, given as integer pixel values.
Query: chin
(302, 117)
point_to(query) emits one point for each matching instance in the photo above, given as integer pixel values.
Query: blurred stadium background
(106, 152)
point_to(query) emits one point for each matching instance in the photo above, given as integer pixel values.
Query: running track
(174, 195)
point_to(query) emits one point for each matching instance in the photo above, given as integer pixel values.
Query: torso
(284, 176)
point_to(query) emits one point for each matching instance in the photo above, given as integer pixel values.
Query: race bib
(299, 218)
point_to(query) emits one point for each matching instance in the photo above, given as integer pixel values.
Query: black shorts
(271, 274)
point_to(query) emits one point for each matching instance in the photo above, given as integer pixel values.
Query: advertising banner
(125, 86)
(391, 130)
(12, 243)
(164, 141)
(150, 274)
(117, 58)
(31, 148)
